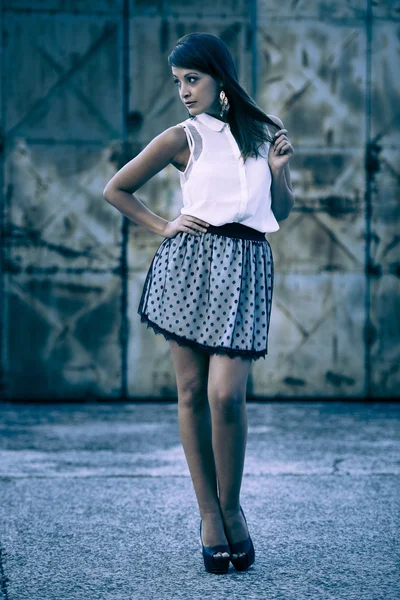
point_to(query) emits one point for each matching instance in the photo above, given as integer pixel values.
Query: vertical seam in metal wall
(254, 56)
(254, 82)
(368, 204)
(3, 199)
(124, 328)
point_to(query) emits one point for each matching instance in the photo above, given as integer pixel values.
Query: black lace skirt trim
(182, 341)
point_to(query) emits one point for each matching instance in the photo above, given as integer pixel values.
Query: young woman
(209, 287)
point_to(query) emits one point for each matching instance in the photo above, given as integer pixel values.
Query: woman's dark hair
(209, 54)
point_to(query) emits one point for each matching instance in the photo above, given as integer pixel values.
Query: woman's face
(200, 88)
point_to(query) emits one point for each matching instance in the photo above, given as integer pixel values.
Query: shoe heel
(218, 565)
(242, 563)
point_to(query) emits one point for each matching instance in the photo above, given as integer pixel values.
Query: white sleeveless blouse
(217, 186)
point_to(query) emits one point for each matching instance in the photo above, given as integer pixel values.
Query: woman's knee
(192, 394)
(226, 403)
(191, 369)
(227, 383)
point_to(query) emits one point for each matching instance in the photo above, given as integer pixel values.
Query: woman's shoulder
(170, 143)
(174, 135)
(185, 122)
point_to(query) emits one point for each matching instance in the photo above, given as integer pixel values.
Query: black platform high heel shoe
(241, 563)
(218, 565)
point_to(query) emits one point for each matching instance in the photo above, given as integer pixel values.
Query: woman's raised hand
(280, 150)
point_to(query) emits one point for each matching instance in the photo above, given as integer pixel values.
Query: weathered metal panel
(384, 270)
(316, 337)
(227, 9)
(385, 83)
(63, 335)
(314, 79)
(65, 6)
(384, 276)
(73, 277)
(62, 246)
(57, 217)
(307, 9)
(385, 311)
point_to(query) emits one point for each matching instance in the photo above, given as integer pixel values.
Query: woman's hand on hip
(185, 223)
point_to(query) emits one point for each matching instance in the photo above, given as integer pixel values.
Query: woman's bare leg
(191, 369)
(227, 382)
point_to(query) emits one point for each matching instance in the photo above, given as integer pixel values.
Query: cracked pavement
(96, 502)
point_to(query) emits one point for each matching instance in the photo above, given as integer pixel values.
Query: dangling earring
(224, 104)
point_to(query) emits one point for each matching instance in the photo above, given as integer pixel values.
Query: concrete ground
(96, 503)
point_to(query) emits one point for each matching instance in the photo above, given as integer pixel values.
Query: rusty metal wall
(85, 85)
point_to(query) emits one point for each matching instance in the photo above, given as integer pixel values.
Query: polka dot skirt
(212, 292)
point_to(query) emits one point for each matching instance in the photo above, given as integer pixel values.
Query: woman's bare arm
(158, 154)
(282, 197)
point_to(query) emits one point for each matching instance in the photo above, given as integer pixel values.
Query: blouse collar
(210, 121)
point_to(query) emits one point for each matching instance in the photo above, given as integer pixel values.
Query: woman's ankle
(211, 513)
(230, 511)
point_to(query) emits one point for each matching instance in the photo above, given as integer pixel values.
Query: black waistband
(237, 230)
